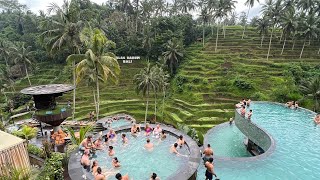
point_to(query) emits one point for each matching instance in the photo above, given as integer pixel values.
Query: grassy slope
(209, 92)
(208, 95)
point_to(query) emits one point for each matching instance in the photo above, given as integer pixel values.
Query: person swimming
(181, 141)
(149, 145)
(135, 129)
(115, 162)
(120, 177)
(124, 139)
(148, 130)
(106, 139)
(85, 162)
(87, 144)
(112, 135)
(317, 119)
(111, 151)
(163, 135)
(154, 176)
(157, 131)
(94, 167)
(98, 143)
(174, 150)
(99, 175)
(296, 105)
(248, 102)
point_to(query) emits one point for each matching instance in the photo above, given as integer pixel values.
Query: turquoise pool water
(140, 163)
(120, 122)
(297, 152)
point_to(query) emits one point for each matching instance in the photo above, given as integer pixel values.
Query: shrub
(33, 149)
(242, 84)
(258, 96)
(196, 80)
(53, 168)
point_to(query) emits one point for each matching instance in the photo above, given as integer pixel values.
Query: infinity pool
(140, 163)
(120, 122)
(297, 152)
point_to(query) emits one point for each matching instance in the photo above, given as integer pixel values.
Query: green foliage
(26, 132)
(2, 128)
(33, 149)
(82, 134)
(242, 84)
(258, 96)
(20, 99)
(194, 134)
(53, 167)
(13, 173)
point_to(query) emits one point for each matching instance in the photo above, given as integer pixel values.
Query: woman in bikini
(112, 135)
(148, 130)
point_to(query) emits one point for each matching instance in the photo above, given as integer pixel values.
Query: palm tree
(173, 54)
(309, 29)
(147, 42)
(222, 9)
(84, 130)
(155, 70)
(205, 15)
(145, 81)
(312, 88)
(26, 132)
(186, 5)
(250, 4)
(307, 5)
(263, 28)
(273, 11)
(95, 64)
(63, 31)
(22, 55)
(289, 24)
(4, 51)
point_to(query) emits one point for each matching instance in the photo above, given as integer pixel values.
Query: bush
(33, 149)
(20, 99)
(258, 96)
(242, 84)
(53, 167)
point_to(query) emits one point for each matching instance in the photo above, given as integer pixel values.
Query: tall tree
(309, 29)
(22, 55)
(186, 5)
(205, 15)
(263, 28)
(173, 54)
(103, 65)
(289, 24)
(250, 4)
(63, 31)
(145, 81)
(5, 52)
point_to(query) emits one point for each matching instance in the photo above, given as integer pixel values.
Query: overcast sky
(36, 5)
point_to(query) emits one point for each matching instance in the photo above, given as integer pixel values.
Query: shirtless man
(296, 105)
(181, 141)
(149, 145)
(124, 139)
(98, 143)
(243, 111)
(157, 131)
(87, 144)
(289, 104)
(85, 159)
(250, 114)
(120, 177)
(248, 102)
(99, 175)
(115, 162)
(135, 129)
(317, 119)
(173, 149)
(210, 169)
(111, 151)
(208, 153)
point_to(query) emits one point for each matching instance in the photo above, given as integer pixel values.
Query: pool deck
(186, 172)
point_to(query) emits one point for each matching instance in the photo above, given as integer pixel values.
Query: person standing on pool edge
(210, 169)
(249, 114)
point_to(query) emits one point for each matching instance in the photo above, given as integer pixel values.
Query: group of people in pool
(88, 146)
(292, 104)
(244, 104)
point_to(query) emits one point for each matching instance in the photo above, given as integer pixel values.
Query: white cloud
(36, 5)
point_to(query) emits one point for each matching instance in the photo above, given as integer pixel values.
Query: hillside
(207, 85)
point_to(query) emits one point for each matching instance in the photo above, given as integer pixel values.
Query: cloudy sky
(36, 5)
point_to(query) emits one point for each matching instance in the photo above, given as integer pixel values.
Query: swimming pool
(296, 155)
(140, 163)
(120, 122)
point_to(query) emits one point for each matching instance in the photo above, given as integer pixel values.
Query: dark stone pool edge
(188, 171)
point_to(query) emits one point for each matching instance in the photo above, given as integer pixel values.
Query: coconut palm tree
(26, 132)
(145, 81)
(250, 4)
(309, 29)
(95, 64)
(4, 51)
(289, 24)
(222, 9)
(186, 5)
(147, 42)
(84, 130)
(155, 70)
(263, 28)
(306, 5)
(273, 11)
(63, 31)
(173, 54)
(312, 88)
(22, 55)
(205, 15)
